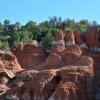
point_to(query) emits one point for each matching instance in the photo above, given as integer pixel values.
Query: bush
(47, 40)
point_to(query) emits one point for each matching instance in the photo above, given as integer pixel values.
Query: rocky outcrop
(69, 37)
(58, 44)
(96, 78)
(93, 38)
(67, 57)
(29, 55)
(58, 48)
(8, 69)
(72, 86)
(9, 61)
(59, 36)
(71, 82)
(53, 60)
(90, 39)
(70, 55)
(78, 37)
(64, 75)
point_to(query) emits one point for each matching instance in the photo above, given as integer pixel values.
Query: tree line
(43, 32)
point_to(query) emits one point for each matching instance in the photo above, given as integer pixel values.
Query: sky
(40, 10)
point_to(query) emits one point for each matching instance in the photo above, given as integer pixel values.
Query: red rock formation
(64, 75)
(58, 48)
(53, 60)
(58, 44)
(3, 89)
(78, 37)
(29, 56)
(69, 37)
(8, 68)
(65, 91)
(71, 54)
(90, 38)
(37, 86)
(93, 37)
(59, 36)
(96, 79)
(74, 84)
(9, 61)
(73, 49)
(71, 82)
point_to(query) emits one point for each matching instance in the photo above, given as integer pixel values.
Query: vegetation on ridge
(43, 32)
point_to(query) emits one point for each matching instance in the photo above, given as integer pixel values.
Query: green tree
(30, 25)
(70, 24)
(47, 40)
(83, 25)
(44, 24)
(33, 28)
(17, 26)
(1, 27)
(22, 36)
(1, 44)
(6, 45)
(6, 22)
(55, 22)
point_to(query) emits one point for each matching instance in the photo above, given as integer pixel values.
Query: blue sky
(41, 10)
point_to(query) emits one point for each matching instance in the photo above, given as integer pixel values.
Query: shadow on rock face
(11, 98)
(7, 57)
(51, 87)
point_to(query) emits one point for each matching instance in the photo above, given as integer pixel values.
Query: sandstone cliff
(66, 75)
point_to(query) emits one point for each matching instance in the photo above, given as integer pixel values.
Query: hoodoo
(69, 37)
